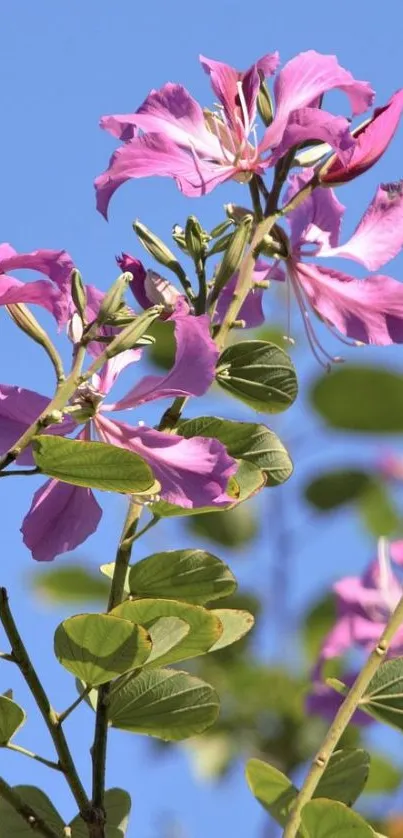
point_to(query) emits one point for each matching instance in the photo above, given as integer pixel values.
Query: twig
(28, 814)
(20, 750)
(66, 713)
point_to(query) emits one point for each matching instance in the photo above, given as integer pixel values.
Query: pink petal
(307, 124)
(379, 235)
(224, 81)
(192, 373)
(338, 640)
(132, 265)
(251, 311)
(111, 370)
(56, 264)
(396, 552)
(60, 518)
(318, 219)
(303, 80)
(39, 293)
(371, 142)
(19, 408)
(192, 472)
(156, 154)
(368, 310)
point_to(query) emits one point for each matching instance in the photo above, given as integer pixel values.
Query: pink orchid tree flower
(53, 295)
(192, 472)
(366, 310)
(172, 136)
(150, 289)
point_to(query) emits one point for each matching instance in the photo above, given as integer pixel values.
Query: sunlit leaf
(12, 825)
(192, 575)
(330, 819)
(12, 716)
(235, 625)
(117, 808)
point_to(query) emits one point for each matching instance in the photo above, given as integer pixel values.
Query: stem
(28, 814)
(255, 195)
(50, 718)
(20, 750)
(66, 713)
(21, 472)
(173, 414)
(201, 299)
(63, 393)
(280, 174)
(152, 522)
(99, 747)
(341, 721)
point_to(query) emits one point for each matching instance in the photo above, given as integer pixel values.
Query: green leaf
(166, 703)
(96, 465)
(235, 625)
(231, 528)
(258, 373)
(117, 808)
(12, 716)
(99, 647)
(379, 511)
(12, 825)
(245, 441)
(383, 776)
(204, 626)
(384, 696)
(362, 399)
(332, 490)
(71, 583)
(343, 781)
(192, 575)
(166, 633)
(330, 819)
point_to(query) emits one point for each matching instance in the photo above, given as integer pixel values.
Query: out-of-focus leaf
(336, 488)
(379, 511)
(71, 583)
(232, 528)
(383, 776)
(362, 399)
(162, 352)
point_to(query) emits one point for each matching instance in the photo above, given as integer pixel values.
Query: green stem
(66, 713)
(99, 748)
(152, 522)
(20, 750)
(28, 814)
(341, 721)
(280, 174)
(173, 414)
(21, 472)
(201, 299)
(63, 393)
(49, 715)
(255, 195)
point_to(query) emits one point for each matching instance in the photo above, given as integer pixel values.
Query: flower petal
(132, 265)
(379, 235)
(60, 518)
(192, 373)
(368, 310)
(112, 369)
(192, 472)
(55, 264)
(225, 80)
(318, 219)
(251, 311)
(19, 408)
(39, 293)
(307, 124)
(156, 154)
(372, 141)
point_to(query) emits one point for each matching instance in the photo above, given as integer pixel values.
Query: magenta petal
(251, 311)
(225, 80)
(132, 265)
(192, 472)
(55, 264)
(192, 373)
(338, 641)
(111, 370)
(38, 293)
(379, 235)
(368, 310)
(318, 219)
(156, 154)
(60, 518)
(307, 124)
(19, 408)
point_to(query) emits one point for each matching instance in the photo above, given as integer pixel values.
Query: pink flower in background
(192, 472)
(170, 135)
(366, 310)
(54, 295)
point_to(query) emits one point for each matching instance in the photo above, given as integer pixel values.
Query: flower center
(85, 403)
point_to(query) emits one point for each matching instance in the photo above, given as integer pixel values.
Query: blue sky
(63, 65)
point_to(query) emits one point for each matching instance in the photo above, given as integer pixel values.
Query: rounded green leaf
(204, 626)
(384, 696)
(70, 583)
(165, 703)
(235, 624)
(245, 441)
(12, 825)
(166, 633)
(332, 490)
(117, 807)
(363, 399)
(258, 373)
(99, 647)
(345, 776)
(271, 788)
(96, 465)
(192, 575)
(12, 716)
(330, 819)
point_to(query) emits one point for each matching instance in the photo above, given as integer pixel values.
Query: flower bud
(159, 250)
(221, 244)
(132, 334)
(195, 238)
(25, 320)
(235, 213)
(220, 228)
(160, 291)
(233, 255)
(264, 102)
(178, 235)
(112, 300)
(78, 293)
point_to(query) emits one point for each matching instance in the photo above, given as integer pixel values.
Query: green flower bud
(25, 320)
(258, 373)
(112, 300)
(264, 103)
(220, 229)
(195, 238)
(220, 245)
(233, 255)
(78, 293)
(178, 235)
(132, 334)
(159, 251)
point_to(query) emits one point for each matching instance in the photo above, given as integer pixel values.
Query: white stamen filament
(317, 349)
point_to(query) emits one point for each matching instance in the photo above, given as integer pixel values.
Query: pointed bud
(131, 335)
(220, 229)
(221, 244)
(178, 235)
(233, 255)
(112, 300)
(195, 238)
(78, 293)
(264, 102)
(159, 250)
(236, 213)
(25, 320)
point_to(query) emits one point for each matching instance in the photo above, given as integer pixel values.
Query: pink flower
(372, 140)
(54, 295)
(149, 288)
(366, 310)
(170, 135)
(192, 472)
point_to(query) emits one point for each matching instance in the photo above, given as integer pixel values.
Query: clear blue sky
(63, 65)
